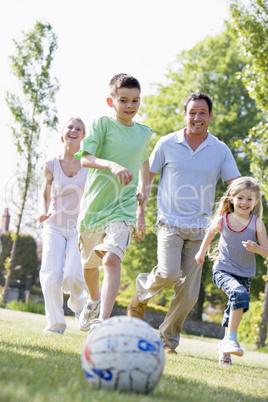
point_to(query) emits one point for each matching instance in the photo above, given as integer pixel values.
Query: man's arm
(230, 181)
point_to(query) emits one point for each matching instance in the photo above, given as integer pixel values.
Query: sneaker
(94, 323)
(169, 351)
(232, 347)
(90, 311)
(136, 308)
(224, 358)
(58, 330)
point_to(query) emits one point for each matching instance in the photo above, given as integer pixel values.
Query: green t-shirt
(105, 200)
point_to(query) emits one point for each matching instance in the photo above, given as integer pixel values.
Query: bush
(36, 291)
(249, 327)
(30, 307)
(1, 294)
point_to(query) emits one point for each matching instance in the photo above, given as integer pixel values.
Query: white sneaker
(95, 323)
(55, 330)
(90, 311)
(224, 358)
(232, 347)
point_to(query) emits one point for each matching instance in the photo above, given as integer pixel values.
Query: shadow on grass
(39, 373)
(195, 391)
(211, 360)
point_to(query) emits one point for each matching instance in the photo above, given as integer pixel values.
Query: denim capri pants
(237, 288)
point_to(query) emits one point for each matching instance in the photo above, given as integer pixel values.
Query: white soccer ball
(125, 354)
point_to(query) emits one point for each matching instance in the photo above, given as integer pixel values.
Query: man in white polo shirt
(190, 162)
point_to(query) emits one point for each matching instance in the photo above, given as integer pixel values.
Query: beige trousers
(176, 267)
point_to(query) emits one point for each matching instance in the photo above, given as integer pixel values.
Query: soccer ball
(125, 354)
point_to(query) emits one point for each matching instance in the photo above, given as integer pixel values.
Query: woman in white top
(61, 269)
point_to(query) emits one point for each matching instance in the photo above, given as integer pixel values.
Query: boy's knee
(111, 259)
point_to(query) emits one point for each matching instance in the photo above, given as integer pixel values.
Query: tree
(210, 66)
(35, 109)
(250, 23)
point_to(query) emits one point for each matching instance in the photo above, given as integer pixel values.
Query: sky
(97, 39)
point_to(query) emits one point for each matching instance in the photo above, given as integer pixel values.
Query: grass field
(35, 367)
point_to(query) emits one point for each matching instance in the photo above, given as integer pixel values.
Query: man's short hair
(123, 81)
(197, 96)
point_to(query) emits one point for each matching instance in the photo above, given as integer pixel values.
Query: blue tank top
(233, 257)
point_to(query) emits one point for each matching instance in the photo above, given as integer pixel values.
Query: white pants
(61, 271)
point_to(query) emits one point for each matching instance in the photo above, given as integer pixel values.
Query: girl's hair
(74, 118)
(242, 183)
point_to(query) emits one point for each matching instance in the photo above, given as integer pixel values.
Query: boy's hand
(124, 175)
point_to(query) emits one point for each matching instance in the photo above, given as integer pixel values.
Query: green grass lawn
(35, 367)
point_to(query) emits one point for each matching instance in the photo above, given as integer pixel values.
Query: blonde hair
(225, 204)
(74, 118)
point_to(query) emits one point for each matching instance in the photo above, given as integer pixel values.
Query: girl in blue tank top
(238, 219)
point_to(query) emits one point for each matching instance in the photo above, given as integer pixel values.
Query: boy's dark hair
(197, 96)
(123, 81)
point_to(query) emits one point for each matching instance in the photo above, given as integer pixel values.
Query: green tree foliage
(33, 109)
(250, 23)
(26, 257)
(211, 66)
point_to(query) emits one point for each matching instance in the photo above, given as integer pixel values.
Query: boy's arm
(262, 248)
(90, 161)
(144, 188)
(211, 233)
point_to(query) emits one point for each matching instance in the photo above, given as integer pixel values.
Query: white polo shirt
(186, 190)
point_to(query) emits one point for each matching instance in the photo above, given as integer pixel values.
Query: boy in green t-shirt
(116, 151)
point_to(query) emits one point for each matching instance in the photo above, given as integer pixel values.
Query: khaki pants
(176, 267)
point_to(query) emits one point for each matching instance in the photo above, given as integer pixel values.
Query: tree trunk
(9, 271)
(264, 317)
(197, 310)
(15, 242)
